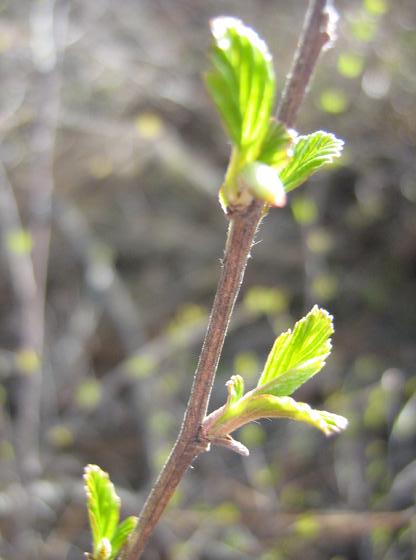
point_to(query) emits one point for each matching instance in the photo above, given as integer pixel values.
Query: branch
(318, 32)
(241, 232)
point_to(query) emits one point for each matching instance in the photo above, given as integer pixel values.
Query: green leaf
(235, 388)
(103, 505)
(121, 535)
(254, 406)
(311, 152)
(241, 83)
(296, 356)
(270, 406)
(276, 148)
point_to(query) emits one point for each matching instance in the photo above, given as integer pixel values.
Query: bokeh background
(111, 236)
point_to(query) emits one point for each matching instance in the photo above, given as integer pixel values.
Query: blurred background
(111, 236)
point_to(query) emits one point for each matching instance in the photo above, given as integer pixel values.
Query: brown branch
(318, 32)
(241, 232)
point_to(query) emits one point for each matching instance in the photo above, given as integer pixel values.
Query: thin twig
(241, 233)
(318, 32)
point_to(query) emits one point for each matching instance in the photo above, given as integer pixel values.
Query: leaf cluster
(242, 84)
(296, 356)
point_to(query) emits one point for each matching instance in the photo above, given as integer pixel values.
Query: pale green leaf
(270, 406)
(277, 145)
(296, 356)
(103, 505)
(235, 388)
(310, 153)
(241, 82)
(121, 535)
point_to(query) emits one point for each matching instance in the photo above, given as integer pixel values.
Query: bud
(264, 183)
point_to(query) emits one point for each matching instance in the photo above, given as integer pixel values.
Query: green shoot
(108, 536)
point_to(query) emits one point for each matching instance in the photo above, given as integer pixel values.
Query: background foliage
(103, 103)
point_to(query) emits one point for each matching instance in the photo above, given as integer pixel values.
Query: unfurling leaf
(297, 356)
(122, 533)
(310, 153)
(103, 504)
(108, 536)
(270, 406)
(241, 82)
(276, 149)
(235, 387)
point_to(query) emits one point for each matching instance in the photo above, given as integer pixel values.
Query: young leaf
(103, 506)
(310, 153)
(276, 148)
(121, 535)
(241, 82)
(270, 406)
(235, 388)
(296, 356)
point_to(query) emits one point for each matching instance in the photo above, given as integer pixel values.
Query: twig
(241, 233)
(318, 32)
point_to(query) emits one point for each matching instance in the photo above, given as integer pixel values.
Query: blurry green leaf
(121, 535)
(350, 65)
(305, 210)
(246, 363)
(376, 7)
(262, 299)
(28, 361)
(252, 435)
(140, 365)
(276, 146)
(333, 101)
(89, 394)
(226, 513)
(307, 526)
(19, 241)
(319, 241)
(297, 356)
(241, 82)
(264, 183)
(60, 436)
(311, 152)
(149, 126)
(324, 286)
(364, 29)
(103, 505)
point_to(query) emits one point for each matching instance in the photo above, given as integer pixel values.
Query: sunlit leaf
(121, 535)
(103, 505)
(311, 152)
(296, 356)
(276, 146)
(235, 388)
(241, 82)
(270, 406)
